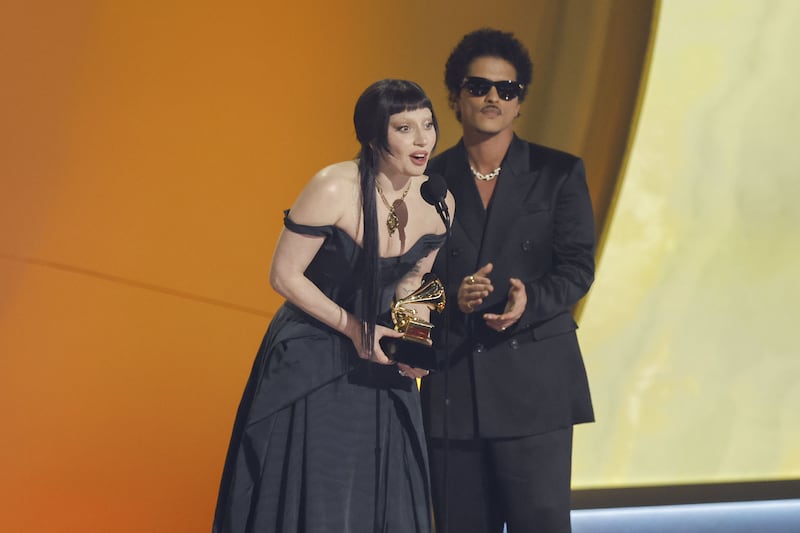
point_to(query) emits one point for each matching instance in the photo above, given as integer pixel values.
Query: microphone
(434, 191)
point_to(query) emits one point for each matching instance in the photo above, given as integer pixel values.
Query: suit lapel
(470, 214)
(514, 182)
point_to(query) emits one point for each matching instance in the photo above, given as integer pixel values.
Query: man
(520, 257)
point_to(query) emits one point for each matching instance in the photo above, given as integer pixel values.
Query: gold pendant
(392, 222)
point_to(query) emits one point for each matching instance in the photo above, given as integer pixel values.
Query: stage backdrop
(147, 150)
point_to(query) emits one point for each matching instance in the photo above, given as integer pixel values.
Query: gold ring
(471, 279)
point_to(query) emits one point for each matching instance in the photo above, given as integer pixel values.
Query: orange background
(147, 150)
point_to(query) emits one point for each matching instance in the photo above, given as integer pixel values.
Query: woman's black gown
(325, 442)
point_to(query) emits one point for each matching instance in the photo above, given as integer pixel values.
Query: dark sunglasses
(507, 90)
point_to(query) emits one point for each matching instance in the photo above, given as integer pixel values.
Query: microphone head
(434, 191)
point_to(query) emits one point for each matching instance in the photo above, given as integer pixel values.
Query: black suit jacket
(539, 228)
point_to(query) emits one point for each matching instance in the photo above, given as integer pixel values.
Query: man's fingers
(485, 269)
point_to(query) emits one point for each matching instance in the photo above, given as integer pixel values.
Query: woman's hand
(377, 355)
(411, 372)
(474, 288)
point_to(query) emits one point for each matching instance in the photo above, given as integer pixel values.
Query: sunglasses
(507, 90)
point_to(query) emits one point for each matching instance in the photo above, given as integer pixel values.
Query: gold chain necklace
(392, 222)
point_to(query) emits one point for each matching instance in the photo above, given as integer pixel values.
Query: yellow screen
(688, 332)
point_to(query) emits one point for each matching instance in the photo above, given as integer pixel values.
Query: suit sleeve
(573, 246)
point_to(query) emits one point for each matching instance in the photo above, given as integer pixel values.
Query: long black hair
(371, 119)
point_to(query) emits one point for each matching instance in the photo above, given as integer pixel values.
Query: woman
(328, 436)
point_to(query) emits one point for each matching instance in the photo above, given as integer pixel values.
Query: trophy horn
(431, 294)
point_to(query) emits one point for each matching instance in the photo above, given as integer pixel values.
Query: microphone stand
(444, 213)
(435, 193)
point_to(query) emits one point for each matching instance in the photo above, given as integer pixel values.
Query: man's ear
(452, 100)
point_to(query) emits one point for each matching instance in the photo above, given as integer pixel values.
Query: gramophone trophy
(415, 347)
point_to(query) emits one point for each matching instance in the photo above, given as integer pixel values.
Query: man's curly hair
(487, 42)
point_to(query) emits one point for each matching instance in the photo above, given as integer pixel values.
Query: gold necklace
(392, 222)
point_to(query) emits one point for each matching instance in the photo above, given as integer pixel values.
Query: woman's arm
(322, 202)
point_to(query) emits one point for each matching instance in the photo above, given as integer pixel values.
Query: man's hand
(515, 306)
(474, 288)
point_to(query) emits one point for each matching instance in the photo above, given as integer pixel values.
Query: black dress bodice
(337, 269)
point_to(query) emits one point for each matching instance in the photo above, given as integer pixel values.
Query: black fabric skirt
(323, 442)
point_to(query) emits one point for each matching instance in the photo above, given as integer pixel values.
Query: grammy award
(415, 347)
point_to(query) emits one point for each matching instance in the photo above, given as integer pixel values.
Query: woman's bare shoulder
(328, 195)
(336, 178)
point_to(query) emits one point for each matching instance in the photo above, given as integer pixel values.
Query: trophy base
(418, 331)
(415, 353)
